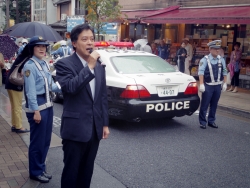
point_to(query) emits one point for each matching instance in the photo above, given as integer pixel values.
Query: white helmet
(63, 43)
(25, 41)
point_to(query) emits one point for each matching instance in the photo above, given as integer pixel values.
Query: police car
(141, 85)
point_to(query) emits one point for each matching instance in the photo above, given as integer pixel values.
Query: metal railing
(79, 11)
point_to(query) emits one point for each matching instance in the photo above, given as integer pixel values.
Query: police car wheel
(55, 97)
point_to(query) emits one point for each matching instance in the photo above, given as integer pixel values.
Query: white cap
(25, 41)
(63, 43)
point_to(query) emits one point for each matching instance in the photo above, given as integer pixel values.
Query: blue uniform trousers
(210, 97)
(40, 137)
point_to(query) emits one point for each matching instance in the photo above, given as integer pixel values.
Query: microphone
(98, 59)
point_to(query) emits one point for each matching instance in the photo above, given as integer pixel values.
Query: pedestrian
(188, 60)
(63, 51)
(39, 109)
(181, 55)
(234, 67)
(24, 43)
(146, 48)
(85, 108)
(212, 75)
(163, 50)
(1, 67)
(154, 48)
(15, 93)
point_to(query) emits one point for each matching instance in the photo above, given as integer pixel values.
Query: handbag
(16, 77)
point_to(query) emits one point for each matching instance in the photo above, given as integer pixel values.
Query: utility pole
(7, 13)
(17, 12)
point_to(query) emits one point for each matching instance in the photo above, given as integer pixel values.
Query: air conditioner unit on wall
(63, 16)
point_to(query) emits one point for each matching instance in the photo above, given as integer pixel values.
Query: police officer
(163, 50)
(63, 51)
(37, 85)
(212, 74)
(24, 43)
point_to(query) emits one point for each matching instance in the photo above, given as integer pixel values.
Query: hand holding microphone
(93, 58)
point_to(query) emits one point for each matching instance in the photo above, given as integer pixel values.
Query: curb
(234, 111)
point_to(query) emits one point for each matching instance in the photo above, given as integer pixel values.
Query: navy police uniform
(37, 85)
(213, 69)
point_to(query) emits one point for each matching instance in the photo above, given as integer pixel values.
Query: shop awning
(218, 15)
(135, 15)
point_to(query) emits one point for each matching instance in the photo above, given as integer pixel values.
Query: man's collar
(82, 60)
(212, 57)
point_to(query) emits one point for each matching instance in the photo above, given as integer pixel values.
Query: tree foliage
(23, 11)
(101, 12)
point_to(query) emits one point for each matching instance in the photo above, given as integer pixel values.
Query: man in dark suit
(85, 108)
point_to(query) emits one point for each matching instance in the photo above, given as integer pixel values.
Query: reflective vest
(213, 74)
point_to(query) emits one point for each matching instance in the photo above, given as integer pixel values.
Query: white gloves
(224, 87)
(202, 88)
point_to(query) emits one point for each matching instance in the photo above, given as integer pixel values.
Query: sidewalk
(14, 150)
(14, 147)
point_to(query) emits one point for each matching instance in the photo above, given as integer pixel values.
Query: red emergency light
(102, 44)
(122, 44)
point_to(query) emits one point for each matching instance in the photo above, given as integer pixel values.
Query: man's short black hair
(75, 32)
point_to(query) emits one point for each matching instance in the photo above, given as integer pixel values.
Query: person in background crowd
(15, 93)
(1, 67)
(234, 67)
(20, 43)
(154, 49)
(63, 51)
(38, 84)
(212, 75)
(163, 50)
(85, 109)
(132, 41)
(24, 43)
(146, 48)
(181, 55)
(189, 49)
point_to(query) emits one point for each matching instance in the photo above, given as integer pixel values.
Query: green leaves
(102, 11)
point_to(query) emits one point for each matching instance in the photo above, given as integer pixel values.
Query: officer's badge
(217, 43)
(201, 63)
(40, 38)
(27, 73)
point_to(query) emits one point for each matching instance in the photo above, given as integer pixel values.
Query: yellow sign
(11, 22)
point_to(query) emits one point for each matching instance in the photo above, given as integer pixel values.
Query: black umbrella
(8, 47)
(30, 29)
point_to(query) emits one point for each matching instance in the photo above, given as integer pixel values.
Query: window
(141, 64)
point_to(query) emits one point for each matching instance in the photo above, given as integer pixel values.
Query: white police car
(141, 85)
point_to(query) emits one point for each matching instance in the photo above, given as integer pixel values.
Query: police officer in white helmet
(24, 43)
(63, 51)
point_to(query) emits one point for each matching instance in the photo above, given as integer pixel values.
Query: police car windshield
(141, 64)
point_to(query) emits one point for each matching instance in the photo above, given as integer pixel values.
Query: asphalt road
(165, 154)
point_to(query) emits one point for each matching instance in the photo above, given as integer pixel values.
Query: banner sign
(73, 21)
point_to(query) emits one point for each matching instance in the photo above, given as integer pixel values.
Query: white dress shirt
(92, 82)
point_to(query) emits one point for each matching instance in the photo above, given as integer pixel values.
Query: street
(166, 153)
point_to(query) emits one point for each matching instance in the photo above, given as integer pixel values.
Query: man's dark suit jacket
(80, 110)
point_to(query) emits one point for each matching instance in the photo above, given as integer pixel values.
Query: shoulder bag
(16, 77)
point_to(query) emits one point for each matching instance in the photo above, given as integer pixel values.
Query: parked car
(141, 85)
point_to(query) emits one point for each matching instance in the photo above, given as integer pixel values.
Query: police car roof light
(102, 44)
(191, 89)
(135, 92)
(122, 44)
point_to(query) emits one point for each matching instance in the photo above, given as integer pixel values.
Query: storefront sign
(74, 21)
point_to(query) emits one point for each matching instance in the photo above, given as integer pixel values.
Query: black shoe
(13, 129)
(45, 174)
(22, 131)
(40, 178)
(213, 125)
(202, 126)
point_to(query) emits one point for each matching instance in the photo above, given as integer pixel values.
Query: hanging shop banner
(109, 29)
(73, 21)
